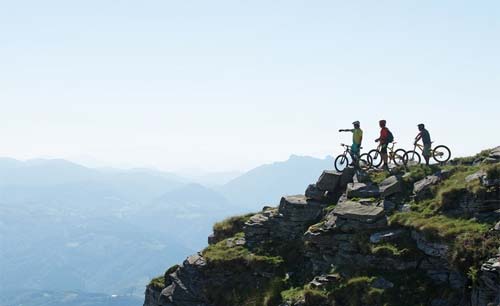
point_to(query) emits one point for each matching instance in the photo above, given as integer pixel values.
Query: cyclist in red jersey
(383, 140)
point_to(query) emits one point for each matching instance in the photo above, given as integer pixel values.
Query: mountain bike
(440, 154)
(396, 156)
(348, 158)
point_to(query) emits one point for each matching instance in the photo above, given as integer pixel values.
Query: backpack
(390, 137)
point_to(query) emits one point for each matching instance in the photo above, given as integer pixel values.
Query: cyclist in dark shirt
(426, 140)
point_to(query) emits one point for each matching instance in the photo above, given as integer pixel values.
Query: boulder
(497, 226)
(390, 185)
(347, 177)
(422, 188)
(445, 174)
(487, 289)
(314, 193)
(329, 180)
(404, 208)
(325, 280)
(495, 153)
(362, 190)
(361, 177)
(489, 160)
(479, 175)
(434, 249)
(386, 236)
(389, 206)
(381, 283)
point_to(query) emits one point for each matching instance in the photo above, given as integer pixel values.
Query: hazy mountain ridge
(266, 183)
(65, 226)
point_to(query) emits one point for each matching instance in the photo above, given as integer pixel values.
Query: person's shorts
(383, 148)
(355, 149)
(427, 150)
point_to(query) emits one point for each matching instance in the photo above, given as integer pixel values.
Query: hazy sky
(222, 85)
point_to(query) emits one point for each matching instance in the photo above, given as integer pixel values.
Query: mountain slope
(265, 184)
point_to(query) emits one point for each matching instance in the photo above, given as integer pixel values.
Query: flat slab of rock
(476, 176)
(390, 186)
(359, 211)
(422, 188)
(362, 190)
(299, 208)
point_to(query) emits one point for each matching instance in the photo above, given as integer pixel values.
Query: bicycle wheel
(365, 161)
(399, 157)
(376, 158)
(341, 162)
(412, 158)
(441, 154)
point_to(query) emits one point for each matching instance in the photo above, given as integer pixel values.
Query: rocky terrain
(417, 236)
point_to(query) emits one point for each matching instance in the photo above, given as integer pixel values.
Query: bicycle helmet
(356, 123)
(421, 125)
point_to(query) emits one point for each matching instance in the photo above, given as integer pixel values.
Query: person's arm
(380, 137)
(346, 130)
(419, 136)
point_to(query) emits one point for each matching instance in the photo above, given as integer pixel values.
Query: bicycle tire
(376, 157)
(341, 162)
(441, 154)
(365, 161)
(412, 158)
(399, 157)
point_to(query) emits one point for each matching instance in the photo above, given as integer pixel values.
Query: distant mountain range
(68, 227)
(265, 184)
(65, 298)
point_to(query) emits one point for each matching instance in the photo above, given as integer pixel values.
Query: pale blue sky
(222, 85)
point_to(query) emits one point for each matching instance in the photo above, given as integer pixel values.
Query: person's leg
(355, 154)
(427, 154)
(383, 154)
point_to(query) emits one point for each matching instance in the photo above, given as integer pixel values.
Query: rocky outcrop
(288, 222)
(487, 289)
(342, 229)
(184, 287)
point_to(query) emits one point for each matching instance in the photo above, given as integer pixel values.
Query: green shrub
(157, 282)
(493, 172)
(293, 294)
(438, 227)
(418, 172)
(470, 249)
(357, 291)
(230, 226)
(223, 252)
